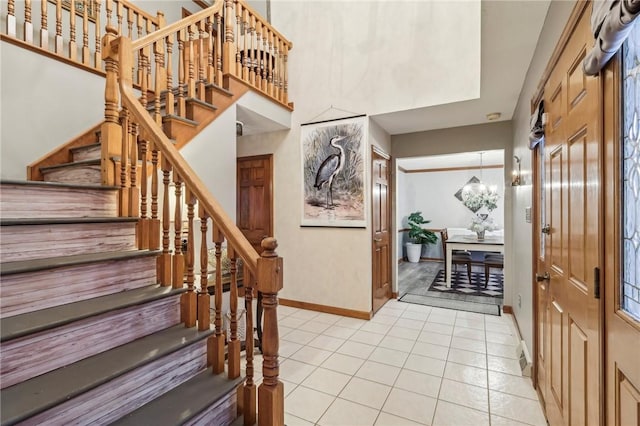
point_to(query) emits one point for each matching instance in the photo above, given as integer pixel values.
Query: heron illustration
(329, 169)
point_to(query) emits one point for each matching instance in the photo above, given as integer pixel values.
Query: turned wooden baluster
(217, 342)
(86, 56)
(285, 85)
(154, 223)
(258, 51)
(119, 16)
(124, 190)
(245, 48)
(264, 63)
(28, 26)
(204, 299)
(238, 32)
(142, 53)
(59, 40)
(130, 20)
(11, 18)
(211, 67)
(219, 49)
(159, 86)
(252, 47)
(44, 33)
(202, 57)
(280, 69)
(181, 72)
(271, 64)
(178, 257)
(143, 223)
(73, 47)
(134, 190)
(189, 298)
(109, 11)
(228, 62)
(169, 101)
(249, 388)
(190, 57)
(96, 56)
(234, 343)
(165, 259)
(271, 391)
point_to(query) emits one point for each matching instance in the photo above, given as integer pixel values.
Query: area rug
(460, 284)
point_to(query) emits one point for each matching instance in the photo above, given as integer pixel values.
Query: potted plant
(418, 236)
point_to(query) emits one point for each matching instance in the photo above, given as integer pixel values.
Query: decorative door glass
(630, 288)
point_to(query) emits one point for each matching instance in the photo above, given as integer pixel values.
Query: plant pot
(413, 252)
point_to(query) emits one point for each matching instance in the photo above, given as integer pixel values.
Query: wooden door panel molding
(627, 401)
(578, 373)
(381, 223)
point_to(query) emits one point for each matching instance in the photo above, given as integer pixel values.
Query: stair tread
(220, 89)
(72, 164)
(90, 146)
(56, 184)
(202, 103)
(40, 393)
(178, 118)
(183, 402)
(33, 265)
(64, 220)
(45, 319)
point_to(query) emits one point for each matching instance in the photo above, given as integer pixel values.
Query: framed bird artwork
(333, 168)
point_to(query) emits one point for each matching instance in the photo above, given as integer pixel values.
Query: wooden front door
(622, 227)
(255, 198)
(572, 244)
(381, 258)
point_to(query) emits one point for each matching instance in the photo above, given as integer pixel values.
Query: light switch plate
(527, 214)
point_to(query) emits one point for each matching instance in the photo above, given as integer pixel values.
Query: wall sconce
(516, 178)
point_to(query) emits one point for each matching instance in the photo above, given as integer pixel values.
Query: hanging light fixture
(478, 195)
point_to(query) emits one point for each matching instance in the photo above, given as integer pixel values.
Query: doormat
(460, 284)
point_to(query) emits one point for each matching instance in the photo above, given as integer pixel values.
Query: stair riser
(24, 201)
(29, 292)
(39, 353)
(120, 396)
(24, 242)
(74, 174)
(174, 128)
(197, 112)
(89, 153)
(223, 412)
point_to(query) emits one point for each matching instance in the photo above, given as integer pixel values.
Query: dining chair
(492, 260)
(458, 257)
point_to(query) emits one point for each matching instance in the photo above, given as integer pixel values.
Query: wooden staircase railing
(136, 134)
(73, 30)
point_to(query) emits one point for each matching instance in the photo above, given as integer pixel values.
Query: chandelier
(478, 195)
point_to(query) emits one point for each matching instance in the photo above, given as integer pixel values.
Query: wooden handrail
(176, 26)
(154, 133)
(266, 23)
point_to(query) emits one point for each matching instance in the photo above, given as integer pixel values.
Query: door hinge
(596, 282)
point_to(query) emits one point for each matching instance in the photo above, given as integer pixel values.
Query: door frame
(375, 150)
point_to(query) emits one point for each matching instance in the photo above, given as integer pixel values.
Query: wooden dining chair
(492, 260)
(458, 257)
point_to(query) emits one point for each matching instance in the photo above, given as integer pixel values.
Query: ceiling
(509, 31)
(466, 159)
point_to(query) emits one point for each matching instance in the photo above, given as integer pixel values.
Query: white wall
(521, 257)
(45, 103)
(432, 193)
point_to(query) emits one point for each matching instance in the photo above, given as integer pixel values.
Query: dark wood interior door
(255, 198)
(381, 258)
(572, 350)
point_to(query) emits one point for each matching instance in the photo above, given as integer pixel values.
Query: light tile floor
(409, 365)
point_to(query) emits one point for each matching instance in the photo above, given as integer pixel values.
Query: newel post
(111, 131)
(271, 391)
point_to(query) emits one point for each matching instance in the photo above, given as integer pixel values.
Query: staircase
(103, 319)
(87, 334)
